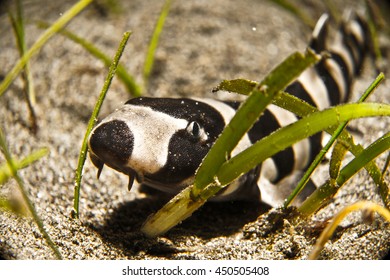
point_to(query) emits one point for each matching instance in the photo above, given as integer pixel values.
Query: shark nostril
(112, 142)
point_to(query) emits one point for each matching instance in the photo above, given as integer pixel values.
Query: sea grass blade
(92, 122)
(54, 28)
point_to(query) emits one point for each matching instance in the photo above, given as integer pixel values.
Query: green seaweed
(324, 193)
(92, 122)
(13, 168)
(128, 80)
(50, 32)
(17, 22)
(150, 54)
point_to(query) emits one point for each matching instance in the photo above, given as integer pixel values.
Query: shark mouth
(99, 164)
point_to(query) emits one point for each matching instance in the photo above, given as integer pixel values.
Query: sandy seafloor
(202, 43)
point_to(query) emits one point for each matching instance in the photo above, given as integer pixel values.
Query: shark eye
(196, 131)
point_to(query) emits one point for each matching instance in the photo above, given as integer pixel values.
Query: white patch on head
(152, 132)
(315, 87)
